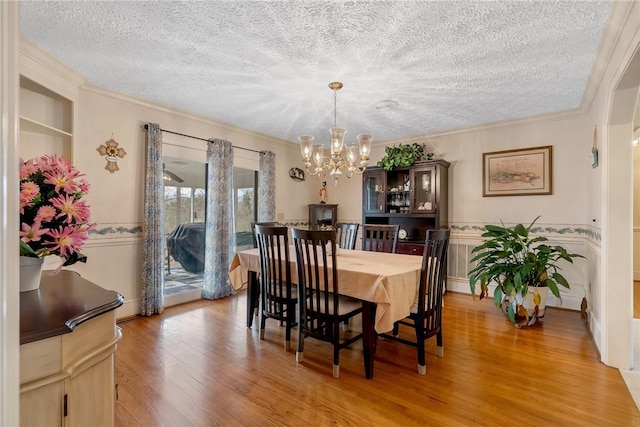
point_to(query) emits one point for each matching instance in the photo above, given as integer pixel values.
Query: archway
(617, 349)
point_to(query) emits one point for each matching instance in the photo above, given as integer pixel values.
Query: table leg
(253, 295)
(368, 336)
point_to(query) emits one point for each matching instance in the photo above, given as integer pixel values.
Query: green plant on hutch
(518, 265)
(403, 155)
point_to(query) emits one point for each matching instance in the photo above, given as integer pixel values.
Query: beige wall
(117, 199)
(567, 215)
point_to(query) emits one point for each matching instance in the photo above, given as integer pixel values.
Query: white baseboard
(128, 309)
(132, 307)
(570, 302)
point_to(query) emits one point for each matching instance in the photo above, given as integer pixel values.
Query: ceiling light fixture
(387, 104)
(337, 161)
(170, 176)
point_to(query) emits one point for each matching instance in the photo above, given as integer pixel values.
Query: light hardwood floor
(198, 365)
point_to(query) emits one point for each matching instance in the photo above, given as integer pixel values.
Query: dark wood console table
(63, 301)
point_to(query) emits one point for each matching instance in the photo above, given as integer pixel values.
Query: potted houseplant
(403, 155)
(53, 219)
(523, 269)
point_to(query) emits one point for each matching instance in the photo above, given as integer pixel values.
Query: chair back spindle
(432, 278)
(346, 234)
(380, 237)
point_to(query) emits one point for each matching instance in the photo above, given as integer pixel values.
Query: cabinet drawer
(410, 248)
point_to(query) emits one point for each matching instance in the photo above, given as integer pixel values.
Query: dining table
(386, 283)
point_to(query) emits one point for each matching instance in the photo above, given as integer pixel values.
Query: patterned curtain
(267, 186)
(219, 226)
(153, 240)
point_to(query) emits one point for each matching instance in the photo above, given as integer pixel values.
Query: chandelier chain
(335, 106)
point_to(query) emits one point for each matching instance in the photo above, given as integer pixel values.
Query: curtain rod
(201, 139)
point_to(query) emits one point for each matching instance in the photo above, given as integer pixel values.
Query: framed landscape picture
(522, 172)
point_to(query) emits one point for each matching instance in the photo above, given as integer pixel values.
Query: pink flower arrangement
(53, 219)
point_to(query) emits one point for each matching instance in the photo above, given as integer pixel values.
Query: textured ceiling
(408, 67)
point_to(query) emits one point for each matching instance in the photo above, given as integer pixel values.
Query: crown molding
(201, 119)
(621, 11)
(34, 59)
(559, 115)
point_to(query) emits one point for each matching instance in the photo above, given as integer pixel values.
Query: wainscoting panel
(572, 238)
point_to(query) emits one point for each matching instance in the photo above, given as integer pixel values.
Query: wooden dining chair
(278, 295)
(346, 234)
(425, 316)
(253, 230)
(380, 237)
(321, 309)
(253, 290)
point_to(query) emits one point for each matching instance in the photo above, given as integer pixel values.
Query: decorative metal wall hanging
(111, 151)
(296, 174)
(594, 148)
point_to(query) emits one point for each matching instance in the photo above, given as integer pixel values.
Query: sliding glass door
(245, 188)
(184, 209)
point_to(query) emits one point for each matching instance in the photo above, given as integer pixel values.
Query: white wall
(610, 201)
(636, 211)
(9, 299)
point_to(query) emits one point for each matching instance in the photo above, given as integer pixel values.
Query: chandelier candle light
(338, 161)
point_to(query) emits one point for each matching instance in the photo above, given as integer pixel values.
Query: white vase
(530, 305)
(30, 273)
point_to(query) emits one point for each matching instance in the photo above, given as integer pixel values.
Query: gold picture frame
(521, 172)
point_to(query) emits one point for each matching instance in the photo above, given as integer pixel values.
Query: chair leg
(336, 350)
(396, 329)
(439, 346)
(289, 324)
(253, 293)
(299, 352)
(422, 367)
(263, 321)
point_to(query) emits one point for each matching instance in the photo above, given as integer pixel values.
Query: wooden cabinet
(322, 215)
(374, 197)
(415, 198)
(68, 338)
(46, 121)
(423, 190)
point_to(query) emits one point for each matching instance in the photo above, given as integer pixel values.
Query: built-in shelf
(30, 125)
(46, 121)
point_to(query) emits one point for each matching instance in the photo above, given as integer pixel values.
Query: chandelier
(343, 157)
